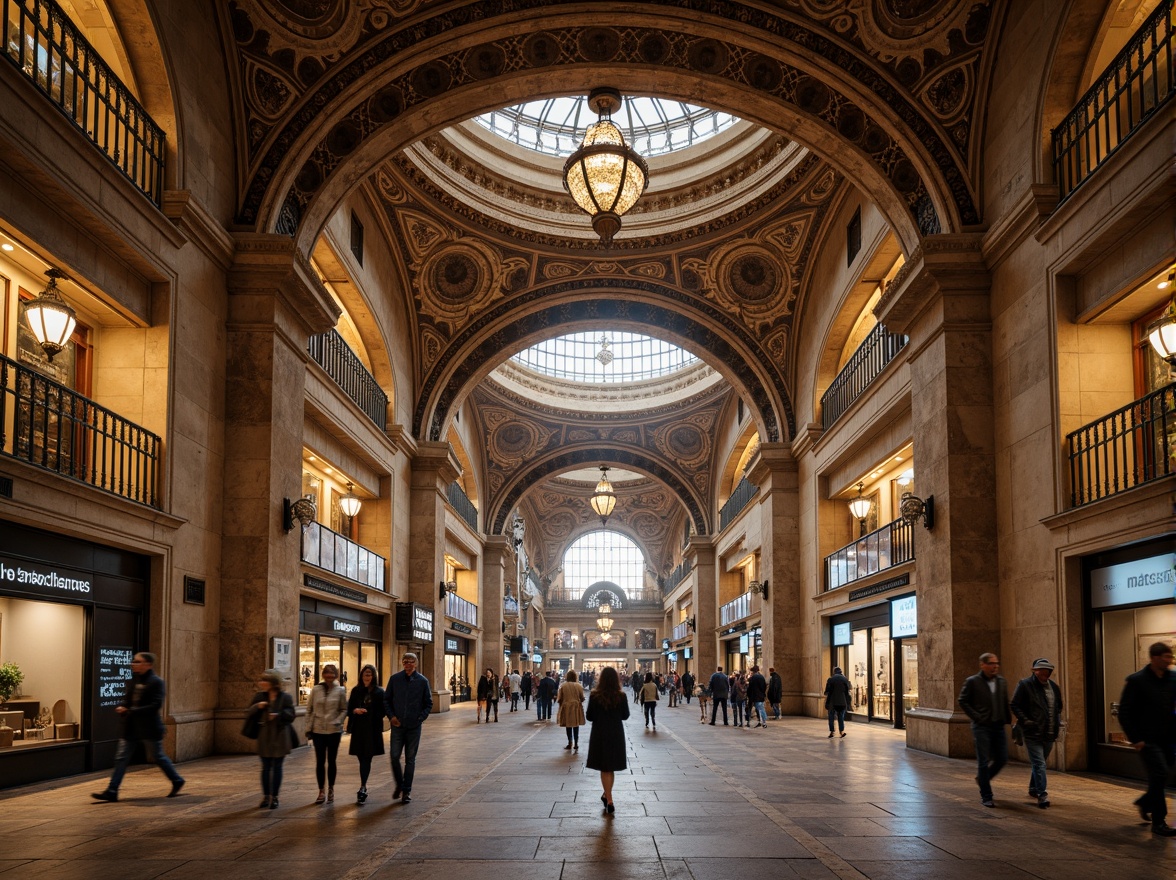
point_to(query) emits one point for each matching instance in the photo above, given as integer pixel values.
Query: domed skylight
(652, 126)
(578, 357)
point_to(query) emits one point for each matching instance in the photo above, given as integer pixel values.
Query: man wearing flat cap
(1037, 703)
(407, 702)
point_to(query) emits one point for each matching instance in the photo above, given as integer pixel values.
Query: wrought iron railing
(863, 367)
(680, 631)
(461, 610)
(677, 576)
(1127, 448)
(48, 49)
(566, 599)
(461, 503)
(1128, 93)
(340, 555)
(743, 493)
(740, 607)
(330, 352)
(49, 425)
(883, 548)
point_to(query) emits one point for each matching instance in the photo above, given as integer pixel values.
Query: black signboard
(414, 623)
(114, 671)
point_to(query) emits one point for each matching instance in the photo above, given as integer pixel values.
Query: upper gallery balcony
(53, 427)
(1127, 94)
(863, 367)
(1124, 449)
(49, 50)
(461, 503)
(330, 352)
(739, 499)
(461, 610)
(340, 555)
(740, 607)
(883, 548)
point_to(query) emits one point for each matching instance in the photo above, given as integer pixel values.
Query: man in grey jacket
(985, 699)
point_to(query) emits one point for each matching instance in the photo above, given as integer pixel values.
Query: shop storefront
(72, 615)
(328, 633)
(1129, 606)
(457, 667)
(742, 650)
(877, 649)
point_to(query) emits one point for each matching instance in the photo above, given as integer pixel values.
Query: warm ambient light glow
(50, 317)
(350, 503)
(604, 499)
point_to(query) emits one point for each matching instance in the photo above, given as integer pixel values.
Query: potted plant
(10, 680)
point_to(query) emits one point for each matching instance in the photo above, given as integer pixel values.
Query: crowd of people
(1147, 714)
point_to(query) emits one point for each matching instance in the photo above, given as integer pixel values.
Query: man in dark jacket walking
(985, 699)
(140, 709)
(720, 690)
(1037, 703)
(688, 686)
(837, 700)
(408, 700)
(547, 691)
(1146, 714)
(527, 685)
(775, 691)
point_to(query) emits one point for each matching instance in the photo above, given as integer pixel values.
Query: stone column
(275, 304)
(433, 469)
(705, 601)
(774, 471)
(941, 300)
(496, 556)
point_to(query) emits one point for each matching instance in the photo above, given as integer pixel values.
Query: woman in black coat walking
(365, 722)
(608, 709)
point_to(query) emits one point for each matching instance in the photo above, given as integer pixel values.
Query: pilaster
(496, 556)
(705, 601)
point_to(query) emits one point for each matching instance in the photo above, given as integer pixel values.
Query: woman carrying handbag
(270, 720)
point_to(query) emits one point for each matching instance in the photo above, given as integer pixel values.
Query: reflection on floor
(697, 802)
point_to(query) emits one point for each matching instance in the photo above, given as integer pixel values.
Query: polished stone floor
(505, 800)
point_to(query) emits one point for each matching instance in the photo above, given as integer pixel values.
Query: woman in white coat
(571, 710)
(325, 712)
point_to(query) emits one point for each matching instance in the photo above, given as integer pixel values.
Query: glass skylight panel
(636, 357)
(604, 556)
(652, 126)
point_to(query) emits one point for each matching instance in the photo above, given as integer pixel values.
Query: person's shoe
(568, 746)
(1043, 801)
(647, 725)
(711, 723)
(830, 734)
(176, 786)
(330, 795)
(322, 797)
(843, 733)
(397, 793)
(273, 803)
(1144, 814)
(759, 724)
(987, 802)
(265, 802)
(107, 795)
(406, 798)
(611, 809)
(361, 796)
(495, 719)
(576, 747)
(1164, 830)
(1033, 792)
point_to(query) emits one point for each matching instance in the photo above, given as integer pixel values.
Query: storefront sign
(536, 658)
(114, 671)
(744, 643)
(460, 627)
(414, 623)
(842, 634)
(344, 626)
(334, 589)
(687, 653)
(904, 618)
(881, 587)
(450, 645)
(283, 655)
(1141, 580)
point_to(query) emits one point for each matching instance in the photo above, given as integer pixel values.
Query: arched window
(604, 556)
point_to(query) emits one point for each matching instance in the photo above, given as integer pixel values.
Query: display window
(46, 707)
(882, 668)
(1127, 634)
(348, 655)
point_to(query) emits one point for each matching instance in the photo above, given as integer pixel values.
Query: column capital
(272, 265)
(702, 548)
(495, 549)
(943, 265)
(770, 461)
(435, 458)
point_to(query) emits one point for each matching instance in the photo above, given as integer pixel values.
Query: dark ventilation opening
(739, 412)
(853, 237)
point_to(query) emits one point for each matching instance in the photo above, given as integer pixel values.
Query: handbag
(294, 743)
(252, 726)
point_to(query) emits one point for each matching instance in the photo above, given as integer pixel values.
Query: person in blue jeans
(757, 692)
(837, 700)
(408, 702)
(1037, 703)
(140, 709)
(547, 690)
(985, 699)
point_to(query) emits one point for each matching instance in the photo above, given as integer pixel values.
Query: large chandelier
(604, 499)
(50, 317)
(605, 176)
(604, 623)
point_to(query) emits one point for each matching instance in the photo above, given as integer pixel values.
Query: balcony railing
(564, 598)
(677, 576)
(1130, 91)
(44, 45)
(680, 631)
(330, 352)
(1131, 446)
(461, 610)
(863, 367)
(884, 548)
(740, 607)
(340, 555)
(743, 493)
(461, 503)
(50, 426)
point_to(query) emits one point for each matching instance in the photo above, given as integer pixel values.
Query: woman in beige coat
(571, 710)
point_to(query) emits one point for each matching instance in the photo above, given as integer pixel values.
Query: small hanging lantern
(50, 317)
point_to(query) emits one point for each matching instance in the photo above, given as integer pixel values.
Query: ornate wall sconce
(302, 511)
(914, 508)
(759, 588)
